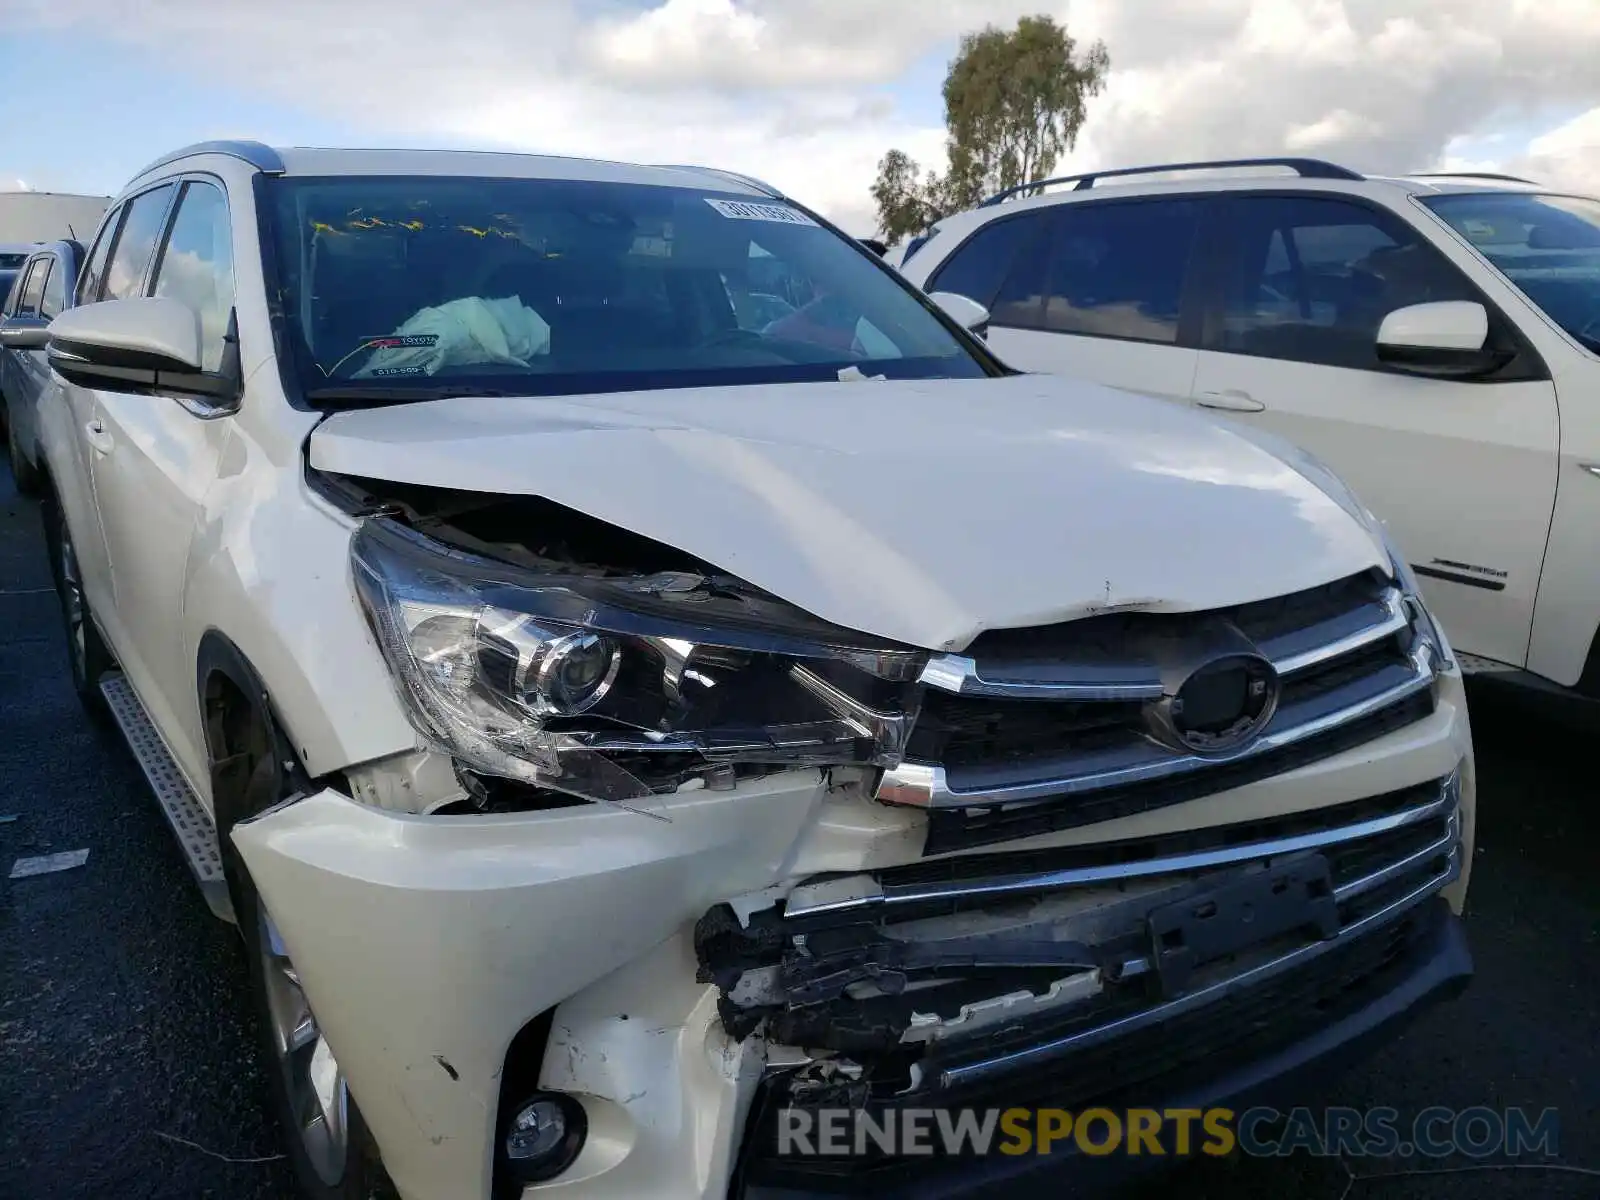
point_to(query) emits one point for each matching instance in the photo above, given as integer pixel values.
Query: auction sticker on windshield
(745, 210)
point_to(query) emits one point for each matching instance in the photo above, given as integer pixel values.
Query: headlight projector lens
(573, 674)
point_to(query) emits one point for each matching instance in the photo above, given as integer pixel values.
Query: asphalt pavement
(129, 1068)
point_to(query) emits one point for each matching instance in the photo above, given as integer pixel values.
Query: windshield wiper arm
(334, 394)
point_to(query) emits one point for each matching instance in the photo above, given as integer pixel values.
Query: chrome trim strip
(926, 785)
(960, 674)
(863, 891)
(1401, 866)
(1394, 621)
(1019, 1060)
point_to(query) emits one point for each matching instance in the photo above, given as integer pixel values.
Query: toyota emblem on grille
(1222, 706)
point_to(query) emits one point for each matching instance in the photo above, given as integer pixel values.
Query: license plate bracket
(1291, 895)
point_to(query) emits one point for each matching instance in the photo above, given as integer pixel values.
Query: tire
(329, 1147)
(88, 658)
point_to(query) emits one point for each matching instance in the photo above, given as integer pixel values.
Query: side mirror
(966, 312)
(1446, 338)
(149, 344)
(877, 247)
(24, 333)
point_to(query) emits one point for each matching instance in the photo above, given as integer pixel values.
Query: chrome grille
(1058, 718)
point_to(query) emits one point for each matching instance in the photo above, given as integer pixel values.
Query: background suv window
(55, 290)
(1311, 279)
(141, 228)
(196, 266)
(32, 288)
(1118, 270)
(979, 267)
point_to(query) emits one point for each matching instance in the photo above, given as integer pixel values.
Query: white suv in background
(631, 665)
(1433, 339)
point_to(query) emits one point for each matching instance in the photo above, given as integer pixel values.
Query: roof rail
(263, 158)
(747, 180)
(1306, 168)
(1473, 175)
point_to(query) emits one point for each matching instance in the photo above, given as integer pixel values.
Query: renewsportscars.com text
(1259, 1132)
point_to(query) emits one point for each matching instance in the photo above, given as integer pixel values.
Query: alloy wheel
(318, 1099)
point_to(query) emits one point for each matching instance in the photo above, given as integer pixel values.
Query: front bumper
(427, 943)
(1435, 967)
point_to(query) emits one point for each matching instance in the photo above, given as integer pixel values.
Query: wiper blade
(394, 395)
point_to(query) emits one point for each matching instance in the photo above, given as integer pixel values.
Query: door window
(196, 265)
(32, 288)
(55, 290)
(979, 267)
(141, 229)
(1118, 270)
(1311, 279)
(94, 271)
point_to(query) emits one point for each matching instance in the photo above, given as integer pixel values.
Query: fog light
(544, 1135)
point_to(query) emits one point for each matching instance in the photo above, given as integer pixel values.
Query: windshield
(1549, 246)
(557, 287)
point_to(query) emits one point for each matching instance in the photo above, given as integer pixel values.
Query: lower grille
(1245, 1023)
(939, 976)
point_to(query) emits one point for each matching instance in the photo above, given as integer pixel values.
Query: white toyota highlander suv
(632, 665)
(1433, 339)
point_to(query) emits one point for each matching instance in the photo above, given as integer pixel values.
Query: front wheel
(87, 655)
(333, 1155)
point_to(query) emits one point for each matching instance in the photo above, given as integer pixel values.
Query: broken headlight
(579, 680)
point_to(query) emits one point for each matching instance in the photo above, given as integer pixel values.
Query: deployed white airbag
(462, 332)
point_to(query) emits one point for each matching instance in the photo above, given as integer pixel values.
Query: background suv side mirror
(968, 313)
(24, 333)
(1446, 338)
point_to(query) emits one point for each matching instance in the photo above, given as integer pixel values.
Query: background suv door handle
(95, 430)
(1232, 400)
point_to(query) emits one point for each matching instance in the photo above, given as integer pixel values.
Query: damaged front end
(1063, 977)
(549, 680)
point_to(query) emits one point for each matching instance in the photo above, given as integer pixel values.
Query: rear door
(1463, 472)
(1096, 290)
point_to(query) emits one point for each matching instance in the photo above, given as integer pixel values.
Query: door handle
(1231, 400)
(98, 437)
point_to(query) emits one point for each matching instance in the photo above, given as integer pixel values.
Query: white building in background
(45, 216)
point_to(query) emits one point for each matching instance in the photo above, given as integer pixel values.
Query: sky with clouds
(805, 93)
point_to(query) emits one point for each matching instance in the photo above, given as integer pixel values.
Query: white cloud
(1566, 157)
(796, 91)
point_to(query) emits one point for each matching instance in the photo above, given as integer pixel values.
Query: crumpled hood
(925, 511)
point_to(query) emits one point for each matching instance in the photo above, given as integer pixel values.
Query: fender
(268, 577)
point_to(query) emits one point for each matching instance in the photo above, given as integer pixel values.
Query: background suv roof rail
(1306, 168)
(1473, 175)
(261, 157)
(747, 180)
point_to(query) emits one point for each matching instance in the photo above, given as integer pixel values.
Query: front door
(158, 461)
(1462, 472)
